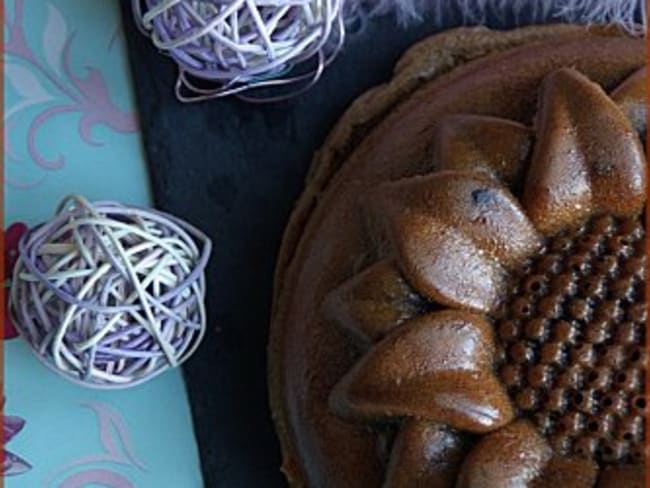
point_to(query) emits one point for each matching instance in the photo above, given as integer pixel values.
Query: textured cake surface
(573, 341)
(462, 285)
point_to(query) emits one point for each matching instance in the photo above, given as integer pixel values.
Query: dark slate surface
(235, 170)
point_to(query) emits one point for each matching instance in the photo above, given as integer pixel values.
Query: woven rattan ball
(109, 295)
(237, 45)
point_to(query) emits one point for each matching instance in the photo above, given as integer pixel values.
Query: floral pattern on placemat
(68, 90)
(48, 83)
(12, 463)
(12, 237)
(96, 468)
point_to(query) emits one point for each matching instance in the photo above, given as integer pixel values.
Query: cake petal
(374, 302)
(587, 158)
(627, 475)
(437, 367)
(512, 456)
(455, 235)
(631, 98)
(498, 147)
(425, 455)
(446, 266)
(568, 472)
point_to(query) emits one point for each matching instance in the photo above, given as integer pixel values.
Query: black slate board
(235, 170)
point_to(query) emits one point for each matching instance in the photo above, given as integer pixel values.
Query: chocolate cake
(460, 295)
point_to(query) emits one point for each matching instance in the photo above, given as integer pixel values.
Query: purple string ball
(110, 296)
(239, 45)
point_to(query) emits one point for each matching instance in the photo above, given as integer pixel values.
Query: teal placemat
(71, 128)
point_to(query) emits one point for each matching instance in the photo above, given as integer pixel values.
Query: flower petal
(626, 475)
(456, 234)
(437, 367)
(14, 465)
(496, 146)
(374, 302)
(587, 157)
(425, 454)
(9, 331)
(512, 456)
(12, 237)
(11, 426)
(568, 472)
(631, 98)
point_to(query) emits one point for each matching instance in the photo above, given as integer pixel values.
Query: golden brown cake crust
(385, 136)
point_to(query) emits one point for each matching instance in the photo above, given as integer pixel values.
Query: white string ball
(108, 295)
(239, 45)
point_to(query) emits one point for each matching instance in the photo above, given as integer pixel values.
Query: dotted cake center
(573, 349)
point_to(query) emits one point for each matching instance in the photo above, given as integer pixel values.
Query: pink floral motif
(12, 237)
(85, 94)
(117, 449)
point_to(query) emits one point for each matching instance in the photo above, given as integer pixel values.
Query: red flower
(12, 237)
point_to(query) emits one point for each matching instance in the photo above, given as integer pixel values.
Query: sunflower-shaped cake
(460, 297)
